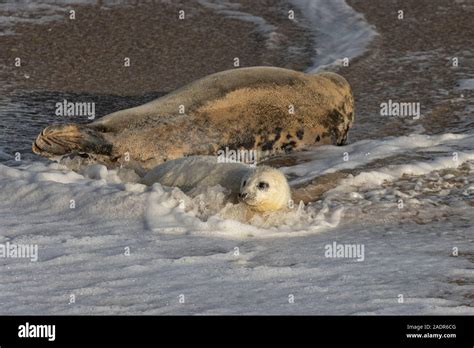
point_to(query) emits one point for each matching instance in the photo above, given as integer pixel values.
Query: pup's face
(265, 189)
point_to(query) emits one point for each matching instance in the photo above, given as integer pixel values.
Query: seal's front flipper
(58, 140)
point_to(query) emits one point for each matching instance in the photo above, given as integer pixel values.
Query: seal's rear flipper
(60, 140)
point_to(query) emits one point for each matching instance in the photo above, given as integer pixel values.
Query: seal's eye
(243, 184)
(262, 185)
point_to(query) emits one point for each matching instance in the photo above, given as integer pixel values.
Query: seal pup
(261, 189)
(267, 109)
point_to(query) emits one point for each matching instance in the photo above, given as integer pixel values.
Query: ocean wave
(339, 31)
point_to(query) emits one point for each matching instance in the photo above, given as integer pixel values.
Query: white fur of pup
(261, 189)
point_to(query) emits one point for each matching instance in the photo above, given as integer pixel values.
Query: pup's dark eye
(245, 181)
(262, 185)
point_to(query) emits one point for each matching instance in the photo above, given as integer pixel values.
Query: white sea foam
(329, 159)
(338, 30)
(183, 245)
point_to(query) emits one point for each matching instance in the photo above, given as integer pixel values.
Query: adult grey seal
(267, 109)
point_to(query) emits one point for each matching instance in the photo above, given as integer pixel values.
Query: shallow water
(24, 114)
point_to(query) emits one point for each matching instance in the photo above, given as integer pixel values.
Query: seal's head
(265, 189)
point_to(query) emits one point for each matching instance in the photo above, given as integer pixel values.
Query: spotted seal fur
(267, 109)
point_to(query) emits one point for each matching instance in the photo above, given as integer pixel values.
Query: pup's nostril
(243, 195)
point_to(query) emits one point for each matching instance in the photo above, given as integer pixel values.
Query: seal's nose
(243, 195)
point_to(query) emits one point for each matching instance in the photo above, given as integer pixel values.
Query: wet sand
(410, 61)
(88, 54)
